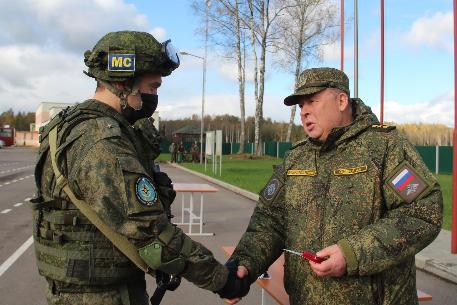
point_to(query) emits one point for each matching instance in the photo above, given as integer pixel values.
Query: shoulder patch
(383, 128)
(121, 62)
(145, 191)
(272, 188)
(407, 183)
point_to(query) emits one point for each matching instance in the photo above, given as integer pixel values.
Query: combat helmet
(119, 56)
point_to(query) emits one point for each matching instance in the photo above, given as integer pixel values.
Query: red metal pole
(382, 63)
(454, 160)
(342, 35)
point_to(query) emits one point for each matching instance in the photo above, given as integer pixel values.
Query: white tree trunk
(241, 77)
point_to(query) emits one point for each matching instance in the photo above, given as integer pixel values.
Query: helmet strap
(122, 94)
(129, 89)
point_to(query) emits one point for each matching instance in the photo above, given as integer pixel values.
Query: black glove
(234, 287)
(150, 135)
(165, 189)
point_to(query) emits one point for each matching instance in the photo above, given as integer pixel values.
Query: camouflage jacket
(366, 189)
(104, 158)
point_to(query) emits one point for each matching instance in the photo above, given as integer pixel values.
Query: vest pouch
(152, 254)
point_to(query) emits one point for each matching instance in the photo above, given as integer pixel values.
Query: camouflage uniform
(109, 163)
(345, 191)
(195, 150)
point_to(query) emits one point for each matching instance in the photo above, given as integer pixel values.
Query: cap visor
(292, 100)
(298, 96)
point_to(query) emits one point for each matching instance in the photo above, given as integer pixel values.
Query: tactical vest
(70, 250)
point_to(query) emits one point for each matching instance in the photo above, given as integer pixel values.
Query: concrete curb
(447, 271)
(435, 267)
(251, 196)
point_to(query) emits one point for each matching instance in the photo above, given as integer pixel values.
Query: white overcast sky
(42, 44)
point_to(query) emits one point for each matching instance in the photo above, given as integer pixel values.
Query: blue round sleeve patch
(145, 191)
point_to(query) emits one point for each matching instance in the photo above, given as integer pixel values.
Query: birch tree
(262, 18)
(303, 28)
(228, 34)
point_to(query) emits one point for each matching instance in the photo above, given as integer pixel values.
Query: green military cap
(317, 79)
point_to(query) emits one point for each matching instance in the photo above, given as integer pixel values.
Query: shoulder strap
(120, 241)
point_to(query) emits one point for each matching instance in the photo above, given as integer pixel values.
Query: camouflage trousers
(124, 295)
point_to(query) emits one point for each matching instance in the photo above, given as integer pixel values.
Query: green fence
(435, 158)
(428, 154)
(445, 160)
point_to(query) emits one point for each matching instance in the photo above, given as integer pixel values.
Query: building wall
(46, 111)
(27, 138)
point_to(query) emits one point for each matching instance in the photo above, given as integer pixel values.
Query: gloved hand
(234, 287)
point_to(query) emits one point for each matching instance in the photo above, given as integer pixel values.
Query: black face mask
(150, 102)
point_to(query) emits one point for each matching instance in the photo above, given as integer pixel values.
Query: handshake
(235, 287)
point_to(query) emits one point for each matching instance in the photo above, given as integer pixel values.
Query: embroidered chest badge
(407, 183)
(301, 172)
(145, 191)
(350, 171)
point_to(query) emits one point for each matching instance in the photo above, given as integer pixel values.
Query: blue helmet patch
(145, 191)
(121, 62)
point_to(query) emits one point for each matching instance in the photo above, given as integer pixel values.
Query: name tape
(301, 172)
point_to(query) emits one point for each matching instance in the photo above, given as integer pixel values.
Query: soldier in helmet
(354, 191)
(102, 211)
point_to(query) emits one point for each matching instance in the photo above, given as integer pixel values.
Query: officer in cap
(102, 212)
(354, 192)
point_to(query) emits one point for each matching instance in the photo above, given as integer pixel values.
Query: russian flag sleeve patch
(407, 183)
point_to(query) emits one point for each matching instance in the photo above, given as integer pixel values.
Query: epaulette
(107, 127)
(383, 128)
(299, 143)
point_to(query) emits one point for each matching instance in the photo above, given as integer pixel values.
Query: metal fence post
(437, 160)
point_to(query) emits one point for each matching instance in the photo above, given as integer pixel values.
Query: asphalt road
(226, 214)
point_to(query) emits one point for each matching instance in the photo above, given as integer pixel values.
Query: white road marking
(5, 211)
(8, 164)
(19, 179)
(18, 204)
(10, 261)
(16, 169)
(27, 199)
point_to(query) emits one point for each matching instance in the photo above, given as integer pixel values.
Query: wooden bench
(275, 286)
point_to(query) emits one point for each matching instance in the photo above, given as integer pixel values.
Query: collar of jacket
(101, 109)
(363, 119)
(104, 110)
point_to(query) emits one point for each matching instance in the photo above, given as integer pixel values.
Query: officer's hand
(235, 287)
(241, 273)
(334, 266)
